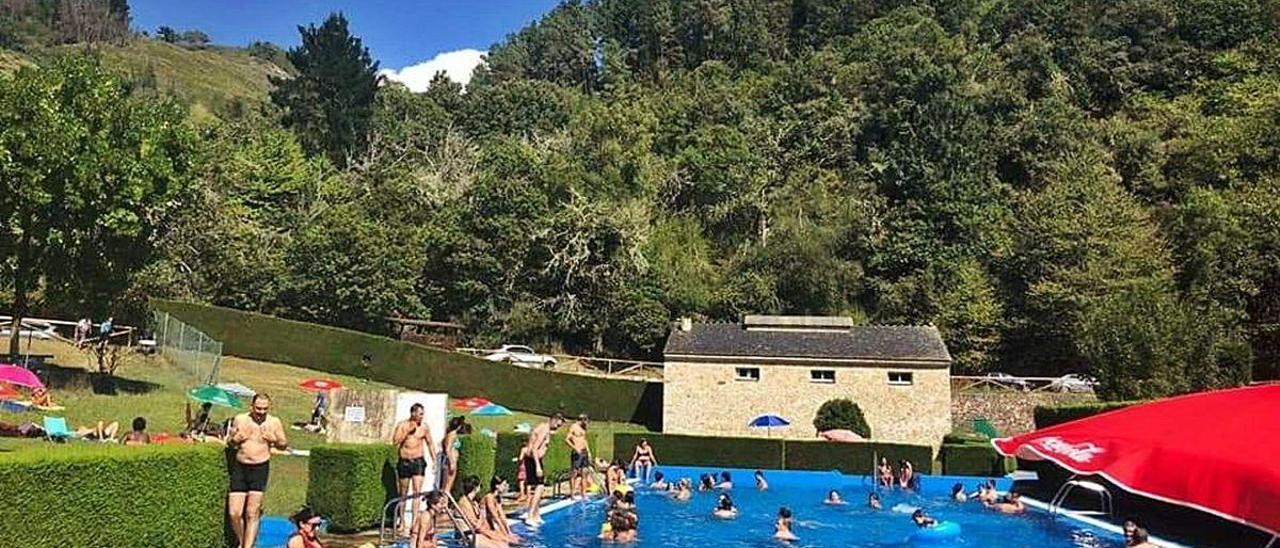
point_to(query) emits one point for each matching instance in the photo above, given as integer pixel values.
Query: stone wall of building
(707, 399)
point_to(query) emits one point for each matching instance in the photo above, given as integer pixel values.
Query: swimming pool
(667, 523)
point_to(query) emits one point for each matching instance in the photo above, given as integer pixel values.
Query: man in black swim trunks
(412, 437)
(579, 457)
(253, 435)
(536, 449)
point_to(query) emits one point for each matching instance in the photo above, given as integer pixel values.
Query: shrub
(350, 484)
(965, 438)
(341, 351)
(556, 461)
(1050, 415)
(973, 460)
(476, 457)
(842, 414)
(96, 495)
(673, 449)
(852, 458)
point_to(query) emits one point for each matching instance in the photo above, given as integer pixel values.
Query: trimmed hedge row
(852, 458)
(849, 458)
(508, 449)
(351, 483)
(336, 350)
(101, 495)
(1050, 415)
(476, 456)
(974, 460)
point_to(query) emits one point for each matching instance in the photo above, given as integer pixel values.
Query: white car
(1073, 382)
(521, 355)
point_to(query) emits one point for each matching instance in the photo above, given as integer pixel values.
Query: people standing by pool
(412, 438)
(761, 484)
(833, 499)
(921, 519)
(1012, 504)
(958, 494)
(725, 508)
(449, 446)
(642, 459)
(726, 482)
(469, 507)
(782, 527)
(579, 457)
(307, 523)
(253, 435)
(884, 473)
(493, 514)
(873, 501)
(423, 532)
(138, 435)
(539, 440)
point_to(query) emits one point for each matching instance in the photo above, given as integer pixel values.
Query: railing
(586, 365)
(188, 348)
(963, 383)
(395, 508)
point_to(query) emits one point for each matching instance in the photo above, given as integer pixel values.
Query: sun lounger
(55, 429)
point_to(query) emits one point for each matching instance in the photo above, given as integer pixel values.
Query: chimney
(686, 324)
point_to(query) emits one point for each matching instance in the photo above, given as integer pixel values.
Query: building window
(747, 373)
(822, 375)
(900, 378)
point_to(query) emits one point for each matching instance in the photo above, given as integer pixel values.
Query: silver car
(521, 355)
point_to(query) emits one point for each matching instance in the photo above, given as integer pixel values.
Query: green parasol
(217, 396)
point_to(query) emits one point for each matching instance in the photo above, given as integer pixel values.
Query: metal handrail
(468, 536)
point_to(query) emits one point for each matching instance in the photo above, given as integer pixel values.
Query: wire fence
(187, 347)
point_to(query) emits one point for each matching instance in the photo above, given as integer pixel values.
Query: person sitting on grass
(725, 508)
(468, 506)
(873, 501)
(957, 493)
(761, 484)
(782, 527)
(99, 433)
(423, 532)
(659, 482)
(139, 435)
(922, 520)
(308, 524)
(833, 499)
(726, 482)
(493, 513)
(1012, 504)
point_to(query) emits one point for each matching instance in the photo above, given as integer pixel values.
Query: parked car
(1074, 382)
(1005, 379)
(521, 355)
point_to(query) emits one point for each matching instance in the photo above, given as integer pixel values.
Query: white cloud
(456, 64)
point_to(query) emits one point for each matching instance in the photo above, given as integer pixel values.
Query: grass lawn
(152, 388)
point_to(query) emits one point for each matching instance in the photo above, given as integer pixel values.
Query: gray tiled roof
(887, 343)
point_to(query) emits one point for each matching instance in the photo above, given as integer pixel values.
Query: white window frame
(910, 378)
(818, 376)
(739, 376)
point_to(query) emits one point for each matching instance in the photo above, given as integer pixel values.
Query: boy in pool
(1012, 504)
(726, 481)
(659, 482)
(833, 498)
(725, 508)
(761, 484)
(957, 493)
(782, 527)
(706, 482)
(873, 501)
(922, 520)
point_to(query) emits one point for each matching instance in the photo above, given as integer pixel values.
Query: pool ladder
(1104, 496)
(390, 537)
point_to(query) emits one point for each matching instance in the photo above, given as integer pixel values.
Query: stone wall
(1011, 412)
(706, 399)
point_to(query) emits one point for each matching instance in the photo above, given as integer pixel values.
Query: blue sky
(399, 33)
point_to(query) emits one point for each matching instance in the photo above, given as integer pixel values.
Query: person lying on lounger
(99, 432)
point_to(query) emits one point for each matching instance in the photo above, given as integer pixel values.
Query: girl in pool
(833, 499)
(726, 481)
(621, 527)
(957, 493)
(873, 501)
(884, 473)
(725, 508)
(922, 520)
(907, 476)
(613, 477)
(684, 490)
(782, 527)
(707, 483)
(423, 532)
(659, 482)
(761, 484)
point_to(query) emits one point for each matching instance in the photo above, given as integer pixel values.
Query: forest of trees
(1082, 185)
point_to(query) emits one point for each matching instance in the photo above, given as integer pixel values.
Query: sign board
(353, 413)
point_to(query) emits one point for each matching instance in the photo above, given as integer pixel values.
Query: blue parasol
(491, 410)
(769, 422)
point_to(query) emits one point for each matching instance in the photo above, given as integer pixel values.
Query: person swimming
(1012, 504)
(987, 492)
(659, 482)
(957, 493)
(873, 501)
(833, 498)
(782, 527)
(761, 484)
(725, 508)
(726, 481)
(922, 520)
(1139, 539)
(706, 482)
(684, 490)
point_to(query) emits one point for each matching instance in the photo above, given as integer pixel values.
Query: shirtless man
(1012, 504)
(253, 435)
(411, 437)
(579, 457)
(539, 439)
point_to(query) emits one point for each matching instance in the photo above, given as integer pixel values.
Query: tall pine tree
(330, 103)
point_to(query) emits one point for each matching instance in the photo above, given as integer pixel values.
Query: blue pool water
(671, 524)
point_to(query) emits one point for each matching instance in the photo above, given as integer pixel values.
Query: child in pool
(726, 481)
(782, 528)
(833, 499)
(725, 508)
(873, 501)
(922, 520)
(659, 482)
(957, 493)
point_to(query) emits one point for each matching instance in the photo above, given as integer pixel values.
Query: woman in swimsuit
(423, 533)
(470, 510)
(885, 473)
(493, 509)
(307, 523)
(782, 527)
(450, 443)
(643, 457)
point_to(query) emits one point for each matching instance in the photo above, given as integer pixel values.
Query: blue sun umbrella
(491, 410)
(768, 421)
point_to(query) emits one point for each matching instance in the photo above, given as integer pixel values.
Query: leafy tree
(329, 104)
(194, 38)
(91, 174)
(841, 414)
(167, 34)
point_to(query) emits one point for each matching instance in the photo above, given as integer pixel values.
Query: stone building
(719, 376)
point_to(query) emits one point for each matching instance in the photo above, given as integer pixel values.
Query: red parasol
(1205, 451)
(320, 385)
(471, 403)
(7, 392)
(20, 376)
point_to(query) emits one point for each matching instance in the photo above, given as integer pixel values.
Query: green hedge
(350, 484)
(475, 457)
(335, 350)
(678, 450)
(973, 460)
(1050, 415)
(97, 495)
(852, 458)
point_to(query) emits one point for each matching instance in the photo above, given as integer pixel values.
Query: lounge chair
(55, 429)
